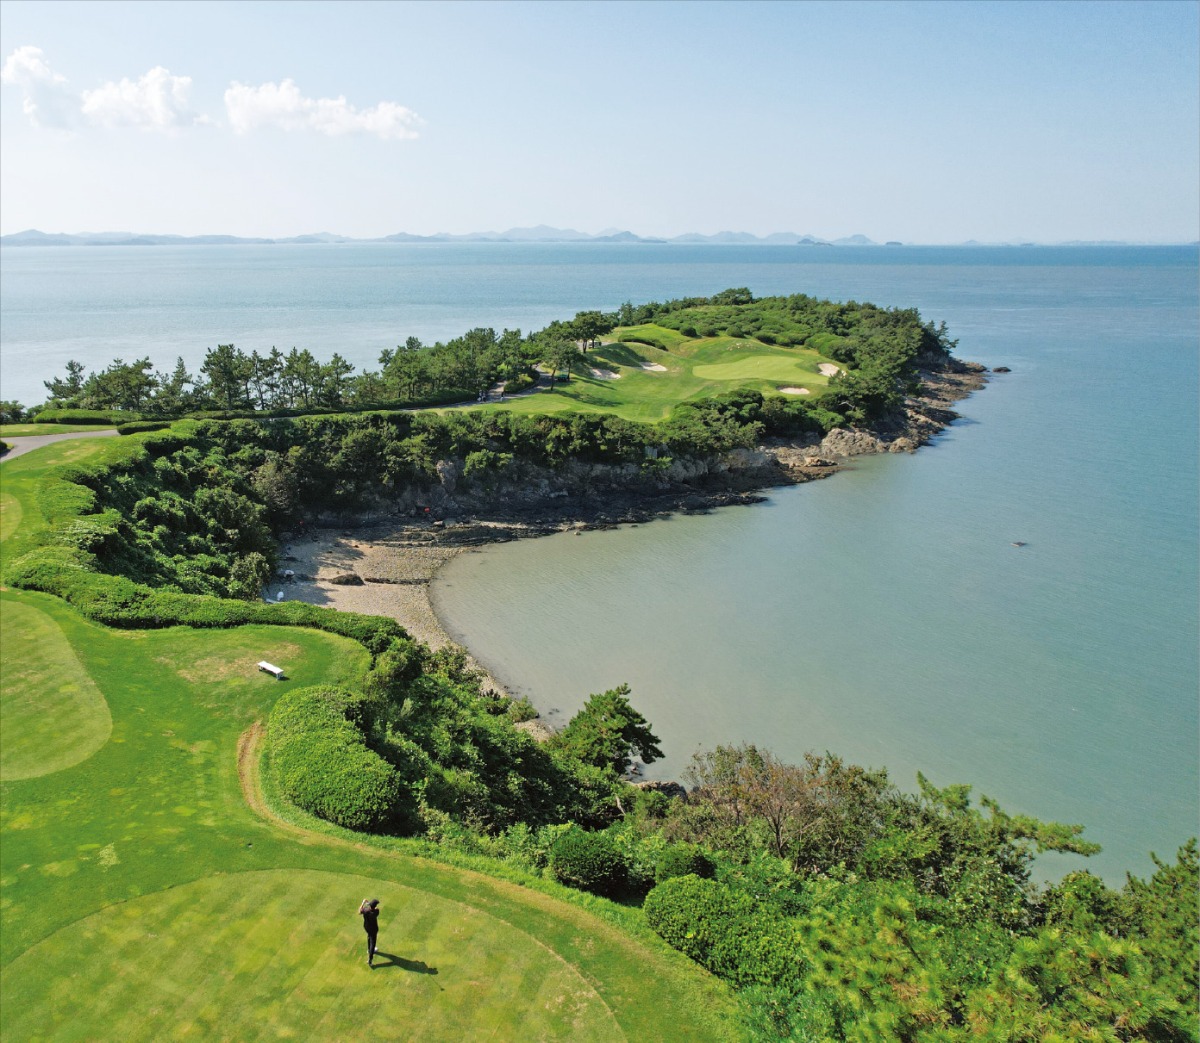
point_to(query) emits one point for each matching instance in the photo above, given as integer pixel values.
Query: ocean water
(884, 613)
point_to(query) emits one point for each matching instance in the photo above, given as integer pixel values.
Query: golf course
(652, 369)
(152, 890)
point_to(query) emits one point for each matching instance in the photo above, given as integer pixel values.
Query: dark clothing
(371, 926)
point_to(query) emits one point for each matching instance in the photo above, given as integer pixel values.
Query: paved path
(22, 444)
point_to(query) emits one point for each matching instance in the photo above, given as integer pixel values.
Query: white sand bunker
(605, 374)
(828, 369)
(654, 367)
(794, 391)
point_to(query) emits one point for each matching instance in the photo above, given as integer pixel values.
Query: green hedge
(588, 862)
(86, 416)
(726, 931)
(139, 426)
(322, 762)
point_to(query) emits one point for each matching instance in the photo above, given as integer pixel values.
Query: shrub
(324, 766)
(138, 426)
(726, 931)
(588, 861)
(683, 860)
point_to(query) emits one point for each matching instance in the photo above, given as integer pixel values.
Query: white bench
(270, 668)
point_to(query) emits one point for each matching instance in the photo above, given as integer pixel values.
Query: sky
(919, 122)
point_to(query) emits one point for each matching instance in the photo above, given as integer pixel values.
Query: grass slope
(142, 898)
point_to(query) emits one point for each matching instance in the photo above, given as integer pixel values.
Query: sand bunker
(829, 369)
(795, 391)
(605, 374)
(654, 367)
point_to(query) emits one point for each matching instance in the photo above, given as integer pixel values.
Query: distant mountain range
(538, 234)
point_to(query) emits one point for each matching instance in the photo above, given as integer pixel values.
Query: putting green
(760, 367)
(52, 715)
(281, 954)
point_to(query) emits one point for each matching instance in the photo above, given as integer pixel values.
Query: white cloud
(48, 101)
(156, 101)
(282, 105)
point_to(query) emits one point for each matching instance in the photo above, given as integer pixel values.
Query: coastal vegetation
(821, 900)
(671, 352)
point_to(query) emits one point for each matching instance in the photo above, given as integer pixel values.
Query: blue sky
(920, 122)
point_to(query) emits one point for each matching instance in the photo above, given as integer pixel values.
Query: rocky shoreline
(383, 563)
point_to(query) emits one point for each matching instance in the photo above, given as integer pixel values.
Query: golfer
(369, 911)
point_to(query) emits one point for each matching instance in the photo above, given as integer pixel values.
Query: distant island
(537, 234)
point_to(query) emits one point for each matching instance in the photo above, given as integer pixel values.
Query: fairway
(281, 954)
(52, 715)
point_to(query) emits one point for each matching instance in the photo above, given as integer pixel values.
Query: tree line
(232, 380)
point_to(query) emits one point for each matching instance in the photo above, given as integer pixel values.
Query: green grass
(142, 898)
(19, 430)
(694, 369)
(51, 713)
(193, 955)
(10, 514)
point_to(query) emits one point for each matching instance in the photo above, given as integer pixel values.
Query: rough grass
(52, 715)
(10, 515)
(141, 897)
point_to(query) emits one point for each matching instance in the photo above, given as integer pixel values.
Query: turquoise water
(882, 614)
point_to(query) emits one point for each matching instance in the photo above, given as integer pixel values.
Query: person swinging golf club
(369, 911)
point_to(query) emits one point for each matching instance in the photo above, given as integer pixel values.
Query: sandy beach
(374, 571)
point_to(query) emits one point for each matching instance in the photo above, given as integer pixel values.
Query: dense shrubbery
(915, 917)
(726, 930)
(322, 762)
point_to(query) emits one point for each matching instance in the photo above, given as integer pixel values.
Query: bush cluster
(323, 764)
(588, 861)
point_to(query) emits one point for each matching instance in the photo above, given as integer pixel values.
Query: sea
(886, 614)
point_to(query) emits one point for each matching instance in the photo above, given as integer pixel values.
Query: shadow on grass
(413, 966)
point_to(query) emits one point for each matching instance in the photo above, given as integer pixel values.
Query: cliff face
(598, 493)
